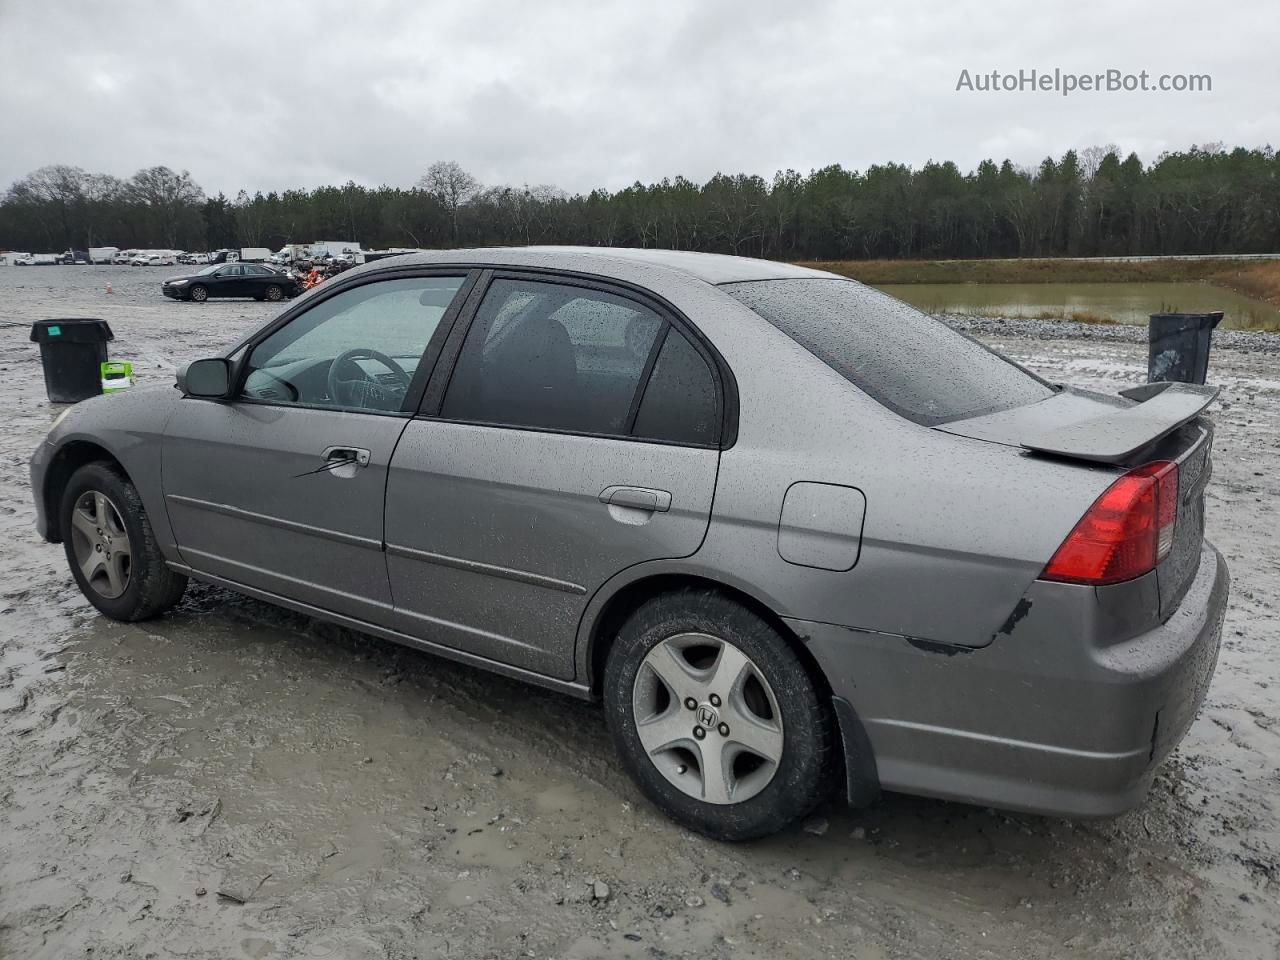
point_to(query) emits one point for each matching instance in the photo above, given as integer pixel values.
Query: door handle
(357, 455)
(638, 498)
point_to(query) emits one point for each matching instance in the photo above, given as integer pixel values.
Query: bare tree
(452, 186)
(1091, 158)
(169, 195)
(58, 193)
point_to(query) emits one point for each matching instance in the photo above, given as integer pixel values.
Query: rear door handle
(638, 498)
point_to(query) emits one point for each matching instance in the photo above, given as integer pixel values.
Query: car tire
(199, 293)
(102, 514)
(751, 684)
(274, 293)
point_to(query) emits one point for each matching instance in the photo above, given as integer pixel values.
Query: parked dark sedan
(232, 280)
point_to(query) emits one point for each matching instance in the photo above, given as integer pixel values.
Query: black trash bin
(72, 353)
(1178, 346)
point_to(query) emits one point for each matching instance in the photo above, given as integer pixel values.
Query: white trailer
(255, 254)
(102, 254)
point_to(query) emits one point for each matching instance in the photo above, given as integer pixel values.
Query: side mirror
(210, 379)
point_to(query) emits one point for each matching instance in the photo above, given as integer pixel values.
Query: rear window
(916, 366)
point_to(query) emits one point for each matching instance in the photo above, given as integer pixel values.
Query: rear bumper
(1054, 718)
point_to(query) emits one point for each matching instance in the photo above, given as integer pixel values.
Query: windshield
(916, 366)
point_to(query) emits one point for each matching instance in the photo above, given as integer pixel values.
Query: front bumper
(177, 293)
(1055, 718)
(39, 467)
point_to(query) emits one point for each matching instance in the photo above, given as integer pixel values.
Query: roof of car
(710, 267)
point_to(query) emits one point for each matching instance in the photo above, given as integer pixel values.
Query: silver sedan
(793, 533)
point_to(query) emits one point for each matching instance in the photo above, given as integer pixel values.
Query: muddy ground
(236, 781)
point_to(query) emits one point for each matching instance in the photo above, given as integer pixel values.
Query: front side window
(553, 356)
(356, 350)
(916, 366)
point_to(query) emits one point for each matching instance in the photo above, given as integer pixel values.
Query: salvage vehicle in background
(791, 531)
(232, 280)
(151, 259)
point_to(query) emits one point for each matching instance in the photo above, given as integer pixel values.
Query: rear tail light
(1127, 531)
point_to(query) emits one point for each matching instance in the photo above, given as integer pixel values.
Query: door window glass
(356, 350)
(679, 403)
(554, 356)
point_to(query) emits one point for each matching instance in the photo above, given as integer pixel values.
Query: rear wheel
(112, 549)
(274, 293)
(199, 293)
(716, 718)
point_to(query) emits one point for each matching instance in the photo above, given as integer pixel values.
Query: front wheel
(716, 718)
(111, 548)
(199, 294)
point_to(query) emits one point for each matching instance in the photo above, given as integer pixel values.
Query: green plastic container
(117, 375)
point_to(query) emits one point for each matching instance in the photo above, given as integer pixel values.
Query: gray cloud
(274, 95)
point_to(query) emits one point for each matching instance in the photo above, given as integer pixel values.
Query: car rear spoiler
(1115, 437)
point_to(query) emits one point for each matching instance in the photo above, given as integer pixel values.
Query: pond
(1116, 302)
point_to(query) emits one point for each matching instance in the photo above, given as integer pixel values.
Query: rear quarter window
(916, 366)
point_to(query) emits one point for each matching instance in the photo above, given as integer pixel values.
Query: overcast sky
(275, 94)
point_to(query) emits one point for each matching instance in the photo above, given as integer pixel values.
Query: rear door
(577, 435)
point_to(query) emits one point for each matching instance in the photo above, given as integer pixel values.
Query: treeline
(1203, 200)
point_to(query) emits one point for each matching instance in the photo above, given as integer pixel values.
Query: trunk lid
(1155, 421)
(1191, 449)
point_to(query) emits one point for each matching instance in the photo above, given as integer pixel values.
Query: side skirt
(580, 691)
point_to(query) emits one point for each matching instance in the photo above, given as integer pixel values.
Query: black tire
(274, 293)
(152, 588)
(199, 293)
(810, 761)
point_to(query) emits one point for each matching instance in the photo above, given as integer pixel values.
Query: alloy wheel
(707, 718)
(101, 544)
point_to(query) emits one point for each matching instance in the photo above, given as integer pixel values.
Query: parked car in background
(232, 280)
(22, 260)
(153, 260)
(793, 532)
(124, 257)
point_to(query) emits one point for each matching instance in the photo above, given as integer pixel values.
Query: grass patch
(1259, 279)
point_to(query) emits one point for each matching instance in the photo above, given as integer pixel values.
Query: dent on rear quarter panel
(955, 530)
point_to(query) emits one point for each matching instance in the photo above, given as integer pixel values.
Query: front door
(579, 435)
(283, 488)
(226, 281)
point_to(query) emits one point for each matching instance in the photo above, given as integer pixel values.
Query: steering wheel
(364, 391)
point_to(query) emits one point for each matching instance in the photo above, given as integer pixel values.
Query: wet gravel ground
(234, 781)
